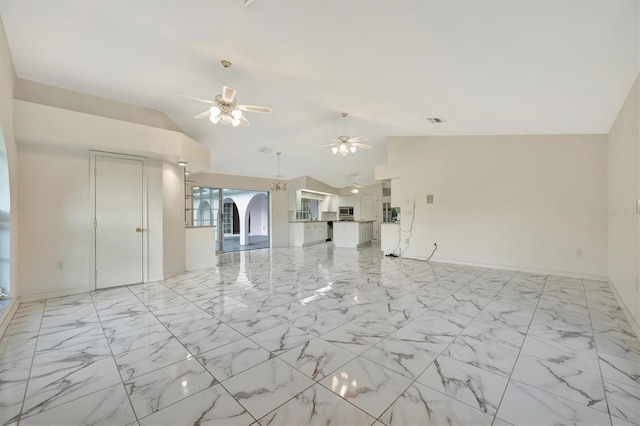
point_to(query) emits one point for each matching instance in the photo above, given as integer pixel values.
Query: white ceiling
(486, 66)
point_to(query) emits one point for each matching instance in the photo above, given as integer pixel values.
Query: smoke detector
(436, 120)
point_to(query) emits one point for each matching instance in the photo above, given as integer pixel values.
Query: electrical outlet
(60, 266)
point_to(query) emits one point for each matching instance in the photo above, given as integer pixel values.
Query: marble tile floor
(325, 336)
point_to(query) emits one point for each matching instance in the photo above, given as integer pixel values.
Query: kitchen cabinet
(303, 234)
(346, 201)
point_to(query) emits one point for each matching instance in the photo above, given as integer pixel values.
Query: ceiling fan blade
(202, 115)
(337, 140)
(254, 108)
(244, 121)
(193, 98)
(361, 145)
(327, 145)
(357, 139)
(228, 94)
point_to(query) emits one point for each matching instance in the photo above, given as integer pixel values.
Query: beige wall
(55, 223)
(54, 220)
(173, 219)
(623, 153)
(526, 202)
(58, 97)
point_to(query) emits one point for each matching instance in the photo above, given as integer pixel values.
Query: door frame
(145, 212)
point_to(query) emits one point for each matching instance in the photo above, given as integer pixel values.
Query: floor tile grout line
(504, 392)
(46, 350)
(316, 382)
(18, 417)
(415, 380)
(311, 335)
(124, 387)
(595, 345)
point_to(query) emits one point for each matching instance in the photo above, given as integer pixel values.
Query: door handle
(140, 230)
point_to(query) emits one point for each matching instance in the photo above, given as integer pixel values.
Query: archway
(246, 220)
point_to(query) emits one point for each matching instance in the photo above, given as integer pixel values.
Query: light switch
(430, 199)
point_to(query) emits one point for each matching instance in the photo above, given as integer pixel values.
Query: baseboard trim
(7, 314)
(54, 294)
(513, 268)
(625, 310)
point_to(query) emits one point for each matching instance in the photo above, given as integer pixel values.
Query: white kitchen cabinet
(302, 234)
(346, 201)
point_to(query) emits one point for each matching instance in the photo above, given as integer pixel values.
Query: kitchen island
(353, 234)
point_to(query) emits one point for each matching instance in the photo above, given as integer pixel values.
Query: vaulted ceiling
(486, 66)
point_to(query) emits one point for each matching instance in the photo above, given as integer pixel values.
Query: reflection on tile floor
(325, 336)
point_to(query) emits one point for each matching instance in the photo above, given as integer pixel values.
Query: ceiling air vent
(436, 120)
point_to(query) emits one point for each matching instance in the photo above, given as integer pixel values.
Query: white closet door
(119, 199)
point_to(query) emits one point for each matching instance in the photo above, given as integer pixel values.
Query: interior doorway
(241, 217)
(245, 220)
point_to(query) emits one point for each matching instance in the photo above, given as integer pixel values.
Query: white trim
(625, 310)
(145, 212)
(7, 315)
(514, 268)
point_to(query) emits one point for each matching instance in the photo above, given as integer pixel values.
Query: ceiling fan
(225, 109)
(346, 144)
(354, 187)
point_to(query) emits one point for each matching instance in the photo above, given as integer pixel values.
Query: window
(227, 219)
(204, 206)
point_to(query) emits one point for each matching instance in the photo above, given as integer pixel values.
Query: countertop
(332, 220)
(355, 221)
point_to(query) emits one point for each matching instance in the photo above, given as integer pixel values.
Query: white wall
(259, 211)
(55, 223)
(54, 220)
(155, 219)
(9, 273)
(173, 219)
(623, 155)
(44, 94)
(527, 202)
(47, 125)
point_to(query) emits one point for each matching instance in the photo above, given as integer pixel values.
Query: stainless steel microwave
(345, 211)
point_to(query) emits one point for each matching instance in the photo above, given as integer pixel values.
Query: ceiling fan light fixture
(352, 149)
(226, 119)
(334, 149)
(354, 190)
(214, 119)
(236, 113)
(214, 111)
(343, 149)
(235, 122)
